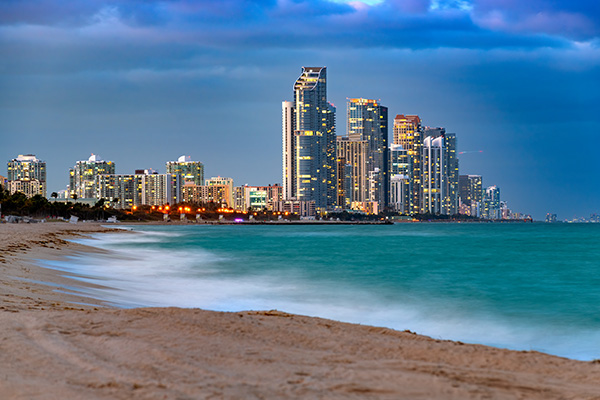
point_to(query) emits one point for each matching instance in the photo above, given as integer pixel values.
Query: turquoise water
(518, 286)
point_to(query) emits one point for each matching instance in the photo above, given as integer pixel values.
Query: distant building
(28, 174)
(400, 170)
(128, 190)
(367, 120)
(470, 189)
(491, 203)
(550, 218)
(227, 183)
(83, 176)
(3, 182)
(301, 208)
(309, 156)
(203, 194)
(434, 175)
(408, 133)
(190, 171)
(355, 154)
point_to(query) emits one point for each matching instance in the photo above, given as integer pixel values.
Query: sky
(142, 82)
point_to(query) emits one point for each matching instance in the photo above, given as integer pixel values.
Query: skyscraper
(470, 194)
(434, 175)
(355, 154)
(450, 167)
(28, 174)
(408, 133)
(368, 120)
(308, 124)
(83, 176)
(491, 203)
(400, 179)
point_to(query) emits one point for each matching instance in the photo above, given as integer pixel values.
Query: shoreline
(56, 347)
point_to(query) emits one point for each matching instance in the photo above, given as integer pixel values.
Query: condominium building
(355, 154)
(221, 181)
(450, 167)
(470, 188)
(203, 194)
(83, 176)
(408, 133)
(309, 157)
(128, 190)
(400, 170)
(434, 175)
(30, 172)
(491, 203)
(367, 120)
(190, 171)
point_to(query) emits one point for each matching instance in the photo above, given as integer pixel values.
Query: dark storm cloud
(305, 23)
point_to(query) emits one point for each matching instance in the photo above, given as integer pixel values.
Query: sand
(55, 345)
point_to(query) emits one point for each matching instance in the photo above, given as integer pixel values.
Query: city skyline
(142, 83)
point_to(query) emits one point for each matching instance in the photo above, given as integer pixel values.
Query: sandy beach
(56, 343)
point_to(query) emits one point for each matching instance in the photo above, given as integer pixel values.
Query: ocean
(519, 286)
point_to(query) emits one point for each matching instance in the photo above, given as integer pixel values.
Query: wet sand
(56, 345)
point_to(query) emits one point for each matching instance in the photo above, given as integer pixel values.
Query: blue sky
(143, 82)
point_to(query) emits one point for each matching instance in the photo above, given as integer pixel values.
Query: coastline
(66, 345)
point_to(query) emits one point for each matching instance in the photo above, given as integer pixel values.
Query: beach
(58, 343)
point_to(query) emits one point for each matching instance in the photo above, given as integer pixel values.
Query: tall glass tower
(309, 156)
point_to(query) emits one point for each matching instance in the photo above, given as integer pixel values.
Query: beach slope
(56, 345)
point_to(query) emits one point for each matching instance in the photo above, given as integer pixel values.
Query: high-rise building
(434, 175)
(408, 133)
(190, 171)
(367, 120)
(355, 154)
(450, 166)
(31, 174)
(400, 171)
(308, 124)
(82, 177)
(128, 190)
(491, 203)
(470, 188)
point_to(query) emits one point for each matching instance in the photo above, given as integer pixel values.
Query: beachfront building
(128, 190)
(449, 165)
(470, 189)
(408, 133)
(257, 198)
(203, 194)
(308, 137)
(301, 208)
(190, 171)
(27, 174)
(491, 203)
(400, 168)
(344, 176)
(433, 175)
(227, 191)
(355, 154)
(367, 120)
(83, 176)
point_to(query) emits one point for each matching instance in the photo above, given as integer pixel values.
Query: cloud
(305, 23)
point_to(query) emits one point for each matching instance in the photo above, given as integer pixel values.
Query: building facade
(367, 120)
(408, 133)
(309, 156)
(355, 154)
(491, 203)
(470, 189)
(30, 172)
(83, 176)
(190, 171)
(400, 170)
(434, 175)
